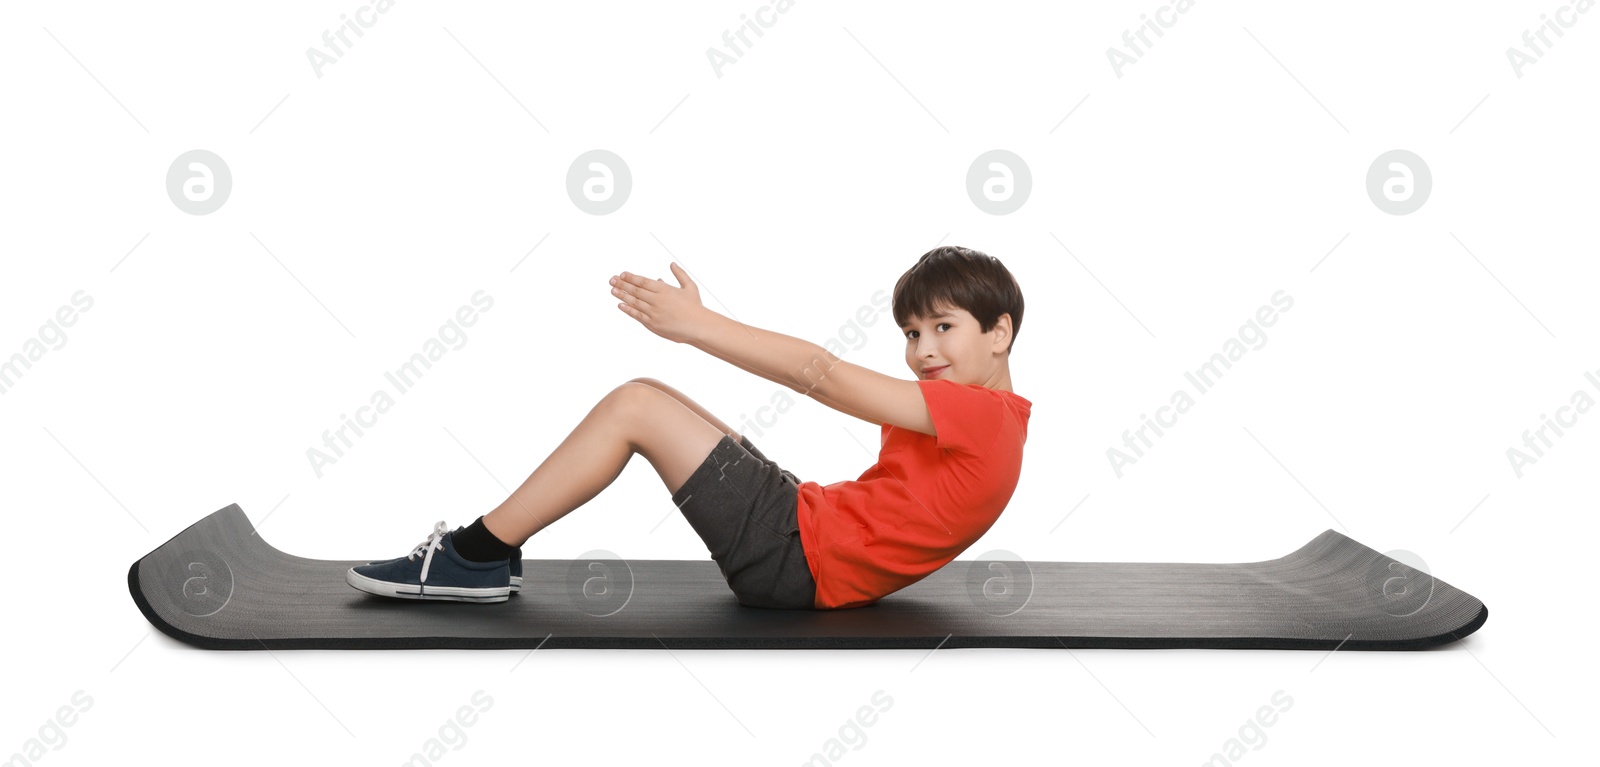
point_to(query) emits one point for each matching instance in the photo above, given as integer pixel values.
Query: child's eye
(940, 325)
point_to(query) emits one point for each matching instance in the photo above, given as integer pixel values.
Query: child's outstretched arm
(675, 313)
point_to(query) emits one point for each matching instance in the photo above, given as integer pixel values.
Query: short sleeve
(966, 417)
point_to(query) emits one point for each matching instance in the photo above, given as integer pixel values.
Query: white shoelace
(431, 545)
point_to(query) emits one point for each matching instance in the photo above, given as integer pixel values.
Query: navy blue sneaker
(433, 570)
(515, 562)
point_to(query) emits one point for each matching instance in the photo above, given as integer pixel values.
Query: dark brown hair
(953, 276)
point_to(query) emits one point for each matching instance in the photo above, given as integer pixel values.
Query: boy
(950, 453)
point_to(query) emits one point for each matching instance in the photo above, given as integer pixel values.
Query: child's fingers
(634, 311)
(629, 294)
(633, 300)
(638, 283)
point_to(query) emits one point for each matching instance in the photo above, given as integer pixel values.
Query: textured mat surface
(219, 585)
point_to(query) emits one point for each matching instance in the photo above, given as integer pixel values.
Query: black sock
(475, 543)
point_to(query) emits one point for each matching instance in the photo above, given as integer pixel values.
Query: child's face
(952, 339)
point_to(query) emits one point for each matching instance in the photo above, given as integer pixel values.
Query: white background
(1227, 164)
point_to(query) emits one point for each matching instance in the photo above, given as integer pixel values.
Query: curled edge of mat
(231, 520)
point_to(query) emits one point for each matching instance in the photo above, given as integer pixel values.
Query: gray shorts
(744, 507)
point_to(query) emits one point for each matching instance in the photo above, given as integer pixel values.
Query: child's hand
(674, 313)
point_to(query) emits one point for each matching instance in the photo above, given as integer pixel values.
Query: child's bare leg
(692, 405)
(632, 418)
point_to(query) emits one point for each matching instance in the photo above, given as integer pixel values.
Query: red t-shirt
(925, 501)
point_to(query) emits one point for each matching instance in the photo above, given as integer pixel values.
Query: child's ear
(1003, 325)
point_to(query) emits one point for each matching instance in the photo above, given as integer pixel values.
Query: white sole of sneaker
(407, 591)
(516, 581)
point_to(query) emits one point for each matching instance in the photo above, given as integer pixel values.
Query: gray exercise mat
(219, 585)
